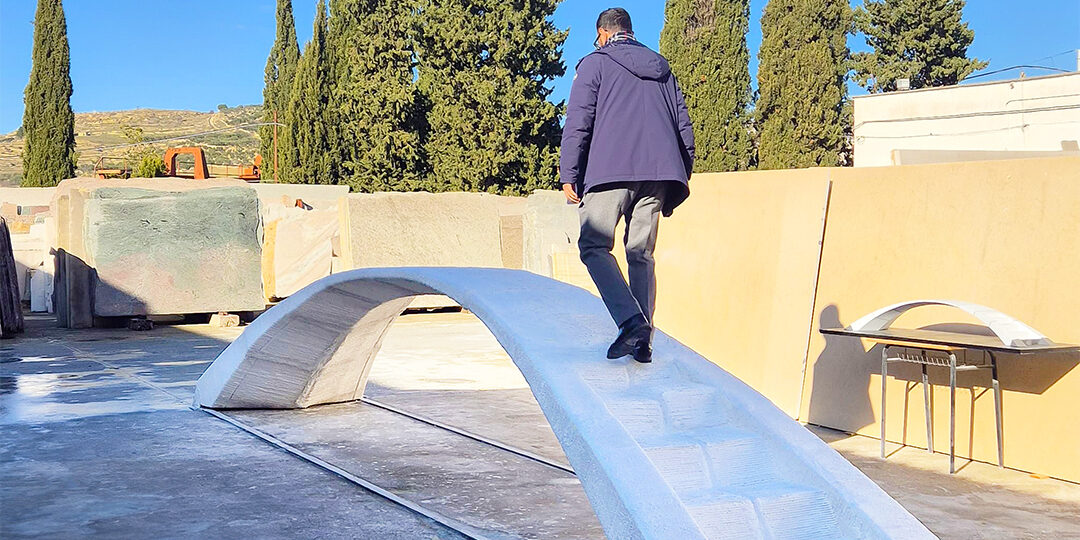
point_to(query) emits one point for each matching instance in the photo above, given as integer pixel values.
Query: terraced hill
(226, 135)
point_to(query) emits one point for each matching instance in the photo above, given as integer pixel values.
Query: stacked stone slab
(300, 229)
(25, 210)
(155, 246)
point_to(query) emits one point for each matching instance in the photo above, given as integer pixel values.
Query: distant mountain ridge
(226, 135)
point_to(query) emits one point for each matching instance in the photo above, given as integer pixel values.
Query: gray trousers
(640, 204)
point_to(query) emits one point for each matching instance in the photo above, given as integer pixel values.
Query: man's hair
(615, 20)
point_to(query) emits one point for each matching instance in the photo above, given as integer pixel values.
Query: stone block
(140, 325)
(550, 230)
(297, 249)
(550, 226)
(422, 229)
(156, 246)
(224, 320)
(39, 289)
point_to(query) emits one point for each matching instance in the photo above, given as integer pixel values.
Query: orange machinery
(118, 167)
(203, 170)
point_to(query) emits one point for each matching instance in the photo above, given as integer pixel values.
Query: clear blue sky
(198, 53)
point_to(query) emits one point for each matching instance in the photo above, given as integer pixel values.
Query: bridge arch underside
(678, 449)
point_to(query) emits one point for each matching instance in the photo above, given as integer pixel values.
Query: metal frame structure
(946, 357)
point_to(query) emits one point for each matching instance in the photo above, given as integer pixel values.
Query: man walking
(627, 153)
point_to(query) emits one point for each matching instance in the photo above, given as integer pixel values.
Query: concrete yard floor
(98, 440)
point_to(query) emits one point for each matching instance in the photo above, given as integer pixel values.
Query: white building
(1028, 117)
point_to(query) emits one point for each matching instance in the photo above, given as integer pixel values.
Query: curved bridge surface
(676, 449)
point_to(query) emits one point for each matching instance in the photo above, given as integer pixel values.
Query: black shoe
(633, 332)
(643, 352)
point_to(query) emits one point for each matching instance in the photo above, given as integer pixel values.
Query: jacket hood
(637, 59)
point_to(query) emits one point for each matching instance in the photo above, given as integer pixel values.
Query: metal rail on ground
(451, 523)
(465, 529)
(479, 438)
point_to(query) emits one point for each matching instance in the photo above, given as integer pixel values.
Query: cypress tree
(484, 72)
(48, 121)
(921, 40)
(310, 157)
(705, 43)
(280, 71)
(801, 83)
(375, 99)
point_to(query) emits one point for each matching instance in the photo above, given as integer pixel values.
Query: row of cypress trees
(433, 95)
(802, 117)
(452, 94)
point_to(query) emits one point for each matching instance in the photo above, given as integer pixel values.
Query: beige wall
(735, 273)
(738, 267)
(1032, 114)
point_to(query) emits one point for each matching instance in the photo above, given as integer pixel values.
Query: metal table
(954, 350)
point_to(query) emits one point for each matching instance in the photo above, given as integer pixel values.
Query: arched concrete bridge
(677, 449)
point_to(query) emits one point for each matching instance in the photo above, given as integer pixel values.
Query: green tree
(484, 72)
(374, 99)
(280, 70)
(801, 83)
(705, 43)
(48, 121)
(150, 166)
(310, 156)
(922, 40)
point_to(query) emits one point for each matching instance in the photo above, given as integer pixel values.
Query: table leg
(952, 413)
(884, 375)
(997, 410)
(926, 411)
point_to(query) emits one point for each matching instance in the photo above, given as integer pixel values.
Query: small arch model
(1010, 331)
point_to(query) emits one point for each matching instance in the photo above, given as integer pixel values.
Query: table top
(940, 339)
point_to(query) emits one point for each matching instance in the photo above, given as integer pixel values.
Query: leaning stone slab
(11, 319)
(678, 449)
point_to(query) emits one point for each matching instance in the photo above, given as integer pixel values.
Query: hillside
(100, 134)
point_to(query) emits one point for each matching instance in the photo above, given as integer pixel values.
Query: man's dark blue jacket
(627, 121)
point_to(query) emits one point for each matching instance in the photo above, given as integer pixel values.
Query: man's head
(610, 22)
